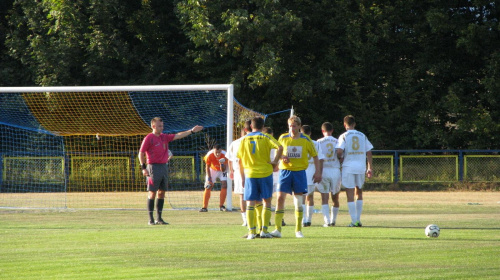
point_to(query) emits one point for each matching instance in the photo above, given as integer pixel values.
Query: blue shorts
(258, 188)
(292, 181)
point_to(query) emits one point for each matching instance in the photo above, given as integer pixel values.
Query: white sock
(326, 213)
(310, 211)
(304, 215)
(359, 209)
(335, 212)
(244, 217)
(352, 211)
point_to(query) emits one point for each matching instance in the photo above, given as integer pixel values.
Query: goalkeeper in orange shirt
(215, 164)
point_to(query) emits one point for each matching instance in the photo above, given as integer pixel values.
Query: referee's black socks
(159, 207)
(151, 208)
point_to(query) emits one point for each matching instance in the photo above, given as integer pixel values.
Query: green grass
(36, 244)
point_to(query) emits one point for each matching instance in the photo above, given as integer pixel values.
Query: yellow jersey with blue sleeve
(297, 151)
(254, 153)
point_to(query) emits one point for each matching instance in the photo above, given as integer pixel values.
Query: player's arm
(318, 173)
(277, 157)
(340, 155)
(207, 171)
(242, 173)
(231, 169)
(142, 161)
(183, 134)
(369, 162)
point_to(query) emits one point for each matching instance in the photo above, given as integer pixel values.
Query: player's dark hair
(267, 130)
(327, 126)
(349, 120)
(217, 146)
(248, 125)
(258, 123)
(306, 129)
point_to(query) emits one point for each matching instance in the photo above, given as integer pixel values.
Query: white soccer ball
(432, 231)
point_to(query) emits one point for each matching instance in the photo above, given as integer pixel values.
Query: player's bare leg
(243, 206)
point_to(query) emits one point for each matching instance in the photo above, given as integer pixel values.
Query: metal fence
(435, 166)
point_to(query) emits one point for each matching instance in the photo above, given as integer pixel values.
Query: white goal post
(80, 144)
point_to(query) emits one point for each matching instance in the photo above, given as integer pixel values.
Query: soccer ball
(432, 231)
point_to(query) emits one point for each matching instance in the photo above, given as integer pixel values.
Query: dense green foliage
(416, 74)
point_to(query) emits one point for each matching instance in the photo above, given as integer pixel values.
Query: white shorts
(309, 174)
(350, 181)
(331, 179)
(321, 188)
(238, 184)
(222, 176)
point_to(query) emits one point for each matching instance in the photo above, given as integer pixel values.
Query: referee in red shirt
(154, 147)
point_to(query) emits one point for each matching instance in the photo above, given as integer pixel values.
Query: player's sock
(151, 208)
(298, 218)
(206, 197)
(309, 214)
(326, 213)
(251, 219)
(278, 217)
(352, 211)
(359, 209)
(266, 219)
(159, 207)
(335, 212)
(258, 216)
(304, 209)
(223, 194)
(244, 217)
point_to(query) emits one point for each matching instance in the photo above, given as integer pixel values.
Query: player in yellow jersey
(256, 171)
(297, 147)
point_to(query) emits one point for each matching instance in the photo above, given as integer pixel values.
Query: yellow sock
(266, 218)
(258, 216)
(298, 219)
(278, 217)
(251, 219)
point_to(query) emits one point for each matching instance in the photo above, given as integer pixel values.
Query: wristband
(192, 132)
(144, 166)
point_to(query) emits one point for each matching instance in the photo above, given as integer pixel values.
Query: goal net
(76, 147)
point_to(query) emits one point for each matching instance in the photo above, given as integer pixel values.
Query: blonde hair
(295, 119)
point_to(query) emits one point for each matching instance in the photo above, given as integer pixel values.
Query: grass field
(112, 244)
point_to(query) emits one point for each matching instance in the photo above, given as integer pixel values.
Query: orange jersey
(213, 162)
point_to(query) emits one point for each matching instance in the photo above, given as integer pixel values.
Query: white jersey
(311, 168)
(231, 154)
(355, 145)
(328, 144)
(276, 174)
(318, 150)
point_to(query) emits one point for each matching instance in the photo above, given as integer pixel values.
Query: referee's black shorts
(157, 179)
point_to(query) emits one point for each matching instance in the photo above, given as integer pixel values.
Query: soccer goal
(76, 147)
